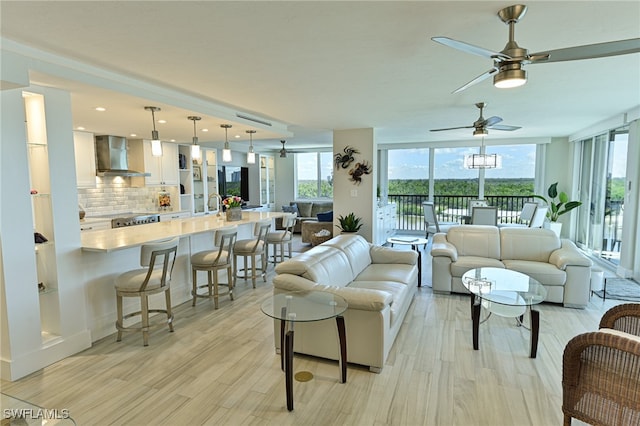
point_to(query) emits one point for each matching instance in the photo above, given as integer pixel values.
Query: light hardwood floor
(220, 367)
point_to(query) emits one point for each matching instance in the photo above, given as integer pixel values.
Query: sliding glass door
(602, 177)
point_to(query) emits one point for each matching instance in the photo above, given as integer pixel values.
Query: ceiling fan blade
(491, 121)
(469, 48)
(589, 51)
(477, 80)
(504, 127)
(452, 128)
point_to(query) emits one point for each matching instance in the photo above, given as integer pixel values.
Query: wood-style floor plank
(220, 367)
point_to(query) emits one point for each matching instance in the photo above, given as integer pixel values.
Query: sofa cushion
(305, 208)
(325, 217)
(293, 208)
(534, 244)
(545, 273)
(321, 207)
(405, 274)
(398, 293)
(464, 263)
(355, 248)
(322, 264)
(475, 240)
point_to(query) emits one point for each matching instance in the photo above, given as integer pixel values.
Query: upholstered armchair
(601, 371)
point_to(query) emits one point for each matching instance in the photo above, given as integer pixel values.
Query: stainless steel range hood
(113, 157)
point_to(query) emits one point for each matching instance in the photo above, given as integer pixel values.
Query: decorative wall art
(358, 171)
(345, 158)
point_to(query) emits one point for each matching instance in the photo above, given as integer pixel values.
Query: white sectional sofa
(557, 264)
(378, 283)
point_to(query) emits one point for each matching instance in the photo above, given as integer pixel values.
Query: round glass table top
(504, 286)
(301, 306)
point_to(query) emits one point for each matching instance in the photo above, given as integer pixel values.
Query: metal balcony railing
(452, 208)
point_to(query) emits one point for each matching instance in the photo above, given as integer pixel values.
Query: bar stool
(213, 261)
(253, 248)
(277, 239)
(157, 260)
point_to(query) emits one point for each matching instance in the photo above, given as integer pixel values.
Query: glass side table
(18, 412)
(292, 307)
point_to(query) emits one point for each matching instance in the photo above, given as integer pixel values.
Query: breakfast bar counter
(108, 240)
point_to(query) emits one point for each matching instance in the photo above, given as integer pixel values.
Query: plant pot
(234, 214)
(554, 226)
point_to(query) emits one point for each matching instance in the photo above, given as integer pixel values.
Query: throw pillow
(291, 209)
(325, 217)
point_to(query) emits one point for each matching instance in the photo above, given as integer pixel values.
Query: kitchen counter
(108, 240)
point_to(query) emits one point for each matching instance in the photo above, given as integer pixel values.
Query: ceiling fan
(481, 125)
(508, 64)
(283, 151)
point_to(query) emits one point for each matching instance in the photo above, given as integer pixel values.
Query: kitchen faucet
(219, 197)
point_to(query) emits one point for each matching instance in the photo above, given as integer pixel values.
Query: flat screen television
(234, 180)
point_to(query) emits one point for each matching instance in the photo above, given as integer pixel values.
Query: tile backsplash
(113, 195)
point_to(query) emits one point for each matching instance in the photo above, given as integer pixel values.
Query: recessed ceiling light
(204, 130)
(133, 135)
(172, 140)
(101, 109)
(79, 128)
(162, 121)
(237, 136)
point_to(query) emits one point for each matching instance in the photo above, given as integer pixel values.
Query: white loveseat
(557, 264)
(377, 282)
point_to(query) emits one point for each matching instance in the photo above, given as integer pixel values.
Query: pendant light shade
(195, 148)
(482, 160)
(226, 152)
(251, 156)
(156, 145)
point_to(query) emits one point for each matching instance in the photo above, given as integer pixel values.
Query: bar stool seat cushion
(277, 236)
(130, 281)
(248, 246)
(208, 258)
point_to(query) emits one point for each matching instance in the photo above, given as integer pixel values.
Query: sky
(518, 161)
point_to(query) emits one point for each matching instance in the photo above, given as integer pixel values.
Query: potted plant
(558, 203)
(349, 223)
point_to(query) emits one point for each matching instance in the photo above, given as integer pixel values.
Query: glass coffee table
(292, 307)
(506, 293)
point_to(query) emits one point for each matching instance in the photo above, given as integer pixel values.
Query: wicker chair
(601, 371)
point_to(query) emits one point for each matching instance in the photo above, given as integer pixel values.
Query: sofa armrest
(440, 247)
(568, 255)
(358, 298)
(389, 255)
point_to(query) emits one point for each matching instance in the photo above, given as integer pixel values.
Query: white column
(349, 196)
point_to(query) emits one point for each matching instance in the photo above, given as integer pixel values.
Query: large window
(314, 175)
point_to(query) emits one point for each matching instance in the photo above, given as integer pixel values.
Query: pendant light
(482, 160)
(283, 151)
(156, 145)
(226, 152)
(195, 148)
(251, 156)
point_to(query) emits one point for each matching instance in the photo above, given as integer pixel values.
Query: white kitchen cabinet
(94, 225)
(267, 181)
(165, 217)
(385, 223)
(164, 169)
(205, 182)
(85, 155)
(185, 175)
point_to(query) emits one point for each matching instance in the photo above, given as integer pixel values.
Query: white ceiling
(317, 66)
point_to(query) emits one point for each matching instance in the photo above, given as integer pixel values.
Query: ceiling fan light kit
(507, 70)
